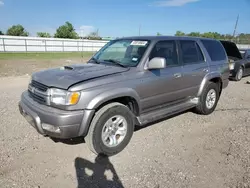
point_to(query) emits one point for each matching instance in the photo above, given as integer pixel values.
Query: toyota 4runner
(129, 82)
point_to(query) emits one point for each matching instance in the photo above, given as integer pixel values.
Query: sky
(117, 18)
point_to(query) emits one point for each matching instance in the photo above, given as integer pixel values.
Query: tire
(94, 137)
(203, 108)
(239, 74)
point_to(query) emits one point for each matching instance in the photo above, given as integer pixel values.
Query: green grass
(45, 55)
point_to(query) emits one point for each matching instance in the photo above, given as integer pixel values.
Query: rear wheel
(208, 99)
(111, 129)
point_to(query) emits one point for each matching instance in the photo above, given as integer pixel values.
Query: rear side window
(214, 49)
(191, 52)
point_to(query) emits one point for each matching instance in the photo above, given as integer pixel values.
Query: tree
(94, 36)
(179, 33)
(194, 34)
(158, 34)
(17, 30)
(43, 34)
(1, 33)
(242, 38)
(66, 31)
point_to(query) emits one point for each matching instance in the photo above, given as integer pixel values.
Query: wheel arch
(126, 96)
(212, 77)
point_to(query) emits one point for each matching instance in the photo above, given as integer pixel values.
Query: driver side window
(165, 49)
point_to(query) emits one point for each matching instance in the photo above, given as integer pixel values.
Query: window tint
(248, 52)
(191, 52)
(214, 49)
(167, 50)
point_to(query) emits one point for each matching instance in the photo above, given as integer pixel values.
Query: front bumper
(232, 73)
(51, 121)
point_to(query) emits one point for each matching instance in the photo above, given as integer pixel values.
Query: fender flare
(114, 94)
(238, 65)
(206, 79)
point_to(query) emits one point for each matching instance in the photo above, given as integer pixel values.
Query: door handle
(177, 75)
(205, 70)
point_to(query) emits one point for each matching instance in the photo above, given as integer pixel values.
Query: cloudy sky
(124, 17)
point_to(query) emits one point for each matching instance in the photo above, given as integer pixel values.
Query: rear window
(214, 49)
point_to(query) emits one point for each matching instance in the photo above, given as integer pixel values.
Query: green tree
(1, 33)
(194, 34)
(66, 31)
(17, 30)
(158, 34)
(179, 33)
(43, 34)
(94, 36)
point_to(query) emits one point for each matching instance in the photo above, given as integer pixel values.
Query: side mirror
(157, 63)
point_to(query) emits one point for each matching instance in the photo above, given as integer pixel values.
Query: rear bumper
(54, 122)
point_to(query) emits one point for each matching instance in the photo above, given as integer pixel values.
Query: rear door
(194, 66)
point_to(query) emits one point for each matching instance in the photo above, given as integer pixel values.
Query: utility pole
(97, 32)
(236, 24)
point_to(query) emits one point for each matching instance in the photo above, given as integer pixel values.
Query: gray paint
(157, 92)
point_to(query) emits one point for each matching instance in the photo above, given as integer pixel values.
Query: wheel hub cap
(240, 74)
(114, 131)
(211, 98)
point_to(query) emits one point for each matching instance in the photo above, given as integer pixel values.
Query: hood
(66, 76)
(231, 49)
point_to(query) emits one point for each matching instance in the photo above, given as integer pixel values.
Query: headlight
(63, 97)
(231, 66)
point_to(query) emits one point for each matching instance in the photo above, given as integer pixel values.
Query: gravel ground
(187, 150)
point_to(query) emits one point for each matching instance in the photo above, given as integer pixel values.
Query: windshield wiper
(115, 61)
(95, 60)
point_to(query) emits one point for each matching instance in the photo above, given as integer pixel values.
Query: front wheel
(239, 74)
(111, 129)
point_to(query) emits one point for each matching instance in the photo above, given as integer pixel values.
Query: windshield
(126, 52)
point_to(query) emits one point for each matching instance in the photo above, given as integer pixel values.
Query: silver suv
(129, 82)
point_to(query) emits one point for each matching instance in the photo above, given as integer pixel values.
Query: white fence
(36, 44)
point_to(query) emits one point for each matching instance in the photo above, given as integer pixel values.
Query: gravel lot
(188, 150)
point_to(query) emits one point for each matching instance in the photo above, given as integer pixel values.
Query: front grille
(37, 98)
(39, 86)
(37, 91)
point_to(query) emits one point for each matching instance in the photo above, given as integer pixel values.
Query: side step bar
(165, 112)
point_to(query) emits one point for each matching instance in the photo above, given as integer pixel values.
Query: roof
(163, 37)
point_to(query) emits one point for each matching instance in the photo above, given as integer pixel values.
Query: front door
(162, 86)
